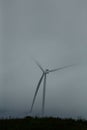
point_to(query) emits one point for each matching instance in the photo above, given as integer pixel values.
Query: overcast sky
(54, 32)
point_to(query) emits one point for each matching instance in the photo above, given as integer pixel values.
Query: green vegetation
(30, 123)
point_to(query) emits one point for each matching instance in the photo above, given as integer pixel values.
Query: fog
(54, 32)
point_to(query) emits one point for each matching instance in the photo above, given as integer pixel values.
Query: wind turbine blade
(38, 64)
(38, 86)
(61, 68)
(44, 93)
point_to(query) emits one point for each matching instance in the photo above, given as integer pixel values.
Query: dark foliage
(30, 123)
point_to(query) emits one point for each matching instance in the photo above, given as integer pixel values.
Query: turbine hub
(46, 71)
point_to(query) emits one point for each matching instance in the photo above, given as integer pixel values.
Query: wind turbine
(44, 77)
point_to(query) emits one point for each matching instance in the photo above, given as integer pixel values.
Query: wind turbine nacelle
(47, 71)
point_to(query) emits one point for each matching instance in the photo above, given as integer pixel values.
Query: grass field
(30, 123)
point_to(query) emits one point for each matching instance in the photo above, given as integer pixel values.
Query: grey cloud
(54, 32)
